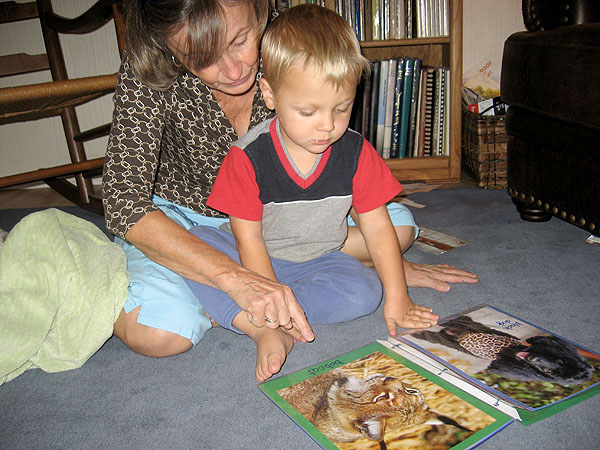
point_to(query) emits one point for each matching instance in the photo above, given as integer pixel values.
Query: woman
(186, 91)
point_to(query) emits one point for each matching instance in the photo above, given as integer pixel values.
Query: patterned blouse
(167, 143)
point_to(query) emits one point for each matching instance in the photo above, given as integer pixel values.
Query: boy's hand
(407, 316)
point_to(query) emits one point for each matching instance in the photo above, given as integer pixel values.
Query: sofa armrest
(541, 15)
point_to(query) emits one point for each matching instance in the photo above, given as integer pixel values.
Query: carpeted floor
(207, 398)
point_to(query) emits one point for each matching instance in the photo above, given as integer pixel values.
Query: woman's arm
(167, 243)
(382, 244)
(132, 154)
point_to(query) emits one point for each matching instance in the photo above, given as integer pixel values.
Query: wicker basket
(484, 149)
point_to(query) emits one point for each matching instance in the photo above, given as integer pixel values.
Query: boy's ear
(267, 93)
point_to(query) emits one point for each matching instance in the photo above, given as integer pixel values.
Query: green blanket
(63, 284)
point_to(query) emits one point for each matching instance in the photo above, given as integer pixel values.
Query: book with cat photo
(373, 398)
(449, 386)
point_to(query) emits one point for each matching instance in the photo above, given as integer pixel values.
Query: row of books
(388, 19)
(403, 109)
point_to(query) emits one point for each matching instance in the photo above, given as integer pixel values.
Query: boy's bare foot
(272, 348)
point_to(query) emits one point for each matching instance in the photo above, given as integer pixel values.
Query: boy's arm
(251, 246)
(255, 257)
(382, 243)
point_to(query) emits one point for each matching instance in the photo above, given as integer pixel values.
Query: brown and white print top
(167, 143)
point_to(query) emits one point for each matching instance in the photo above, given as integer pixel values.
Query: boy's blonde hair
(311, 34)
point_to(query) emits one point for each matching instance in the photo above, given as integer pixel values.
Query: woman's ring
(270, 320)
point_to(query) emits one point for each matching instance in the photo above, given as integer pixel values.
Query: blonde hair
(311, 34)
(150, 22)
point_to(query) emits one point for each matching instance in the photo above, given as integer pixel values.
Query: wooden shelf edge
(436, 162)
(427, 169)
(405, 42)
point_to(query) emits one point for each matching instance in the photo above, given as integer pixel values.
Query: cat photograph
(377, 403)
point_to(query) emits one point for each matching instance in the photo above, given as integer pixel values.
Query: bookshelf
(439, 51)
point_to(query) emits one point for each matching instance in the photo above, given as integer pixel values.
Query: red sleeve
(235, 191)
(374, 184)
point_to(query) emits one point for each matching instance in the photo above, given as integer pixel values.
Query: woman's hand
(266, 302)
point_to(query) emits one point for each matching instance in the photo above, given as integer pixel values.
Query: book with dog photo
(373, 398)
(514, 365)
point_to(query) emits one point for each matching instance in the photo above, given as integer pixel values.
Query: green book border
(528, 417)
(271, 387)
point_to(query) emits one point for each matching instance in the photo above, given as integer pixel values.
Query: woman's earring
(175, 62)
(259, 72)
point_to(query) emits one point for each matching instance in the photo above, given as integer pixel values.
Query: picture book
(526, 371)
(450, 386)
(373, 398)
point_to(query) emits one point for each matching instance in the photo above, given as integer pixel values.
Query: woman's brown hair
(150, 22)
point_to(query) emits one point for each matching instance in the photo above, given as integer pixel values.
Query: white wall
(486, 25)
(32, 145)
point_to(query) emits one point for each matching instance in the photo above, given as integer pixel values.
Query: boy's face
(313, 114)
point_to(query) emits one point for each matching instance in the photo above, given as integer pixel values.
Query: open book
(449, 386)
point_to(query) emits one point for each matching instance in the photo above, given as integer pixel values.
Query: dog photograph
(530, 365)
(378, 403)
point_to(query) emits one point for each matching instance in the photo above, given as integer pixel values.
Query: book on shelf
(381, 102)
(440, 111)
(363, 109)
(376, 20)
(409, 13)
(371, 114)
(446, 137)
(387, 19)
(405, 107)
(399, 92)
(414, 104)
(422, 15)
(442, 17)
(397, 19)
(420, 128)
(456, 383)
(390, 103)
(428, 118)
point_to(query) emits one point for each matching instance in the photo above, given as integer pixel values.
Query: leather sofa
(551, 82)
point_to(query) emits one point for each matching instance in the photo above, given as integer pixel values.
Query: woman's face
(235, 71)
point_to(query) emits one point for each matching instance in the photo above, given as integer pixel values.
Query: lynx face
(346, 408)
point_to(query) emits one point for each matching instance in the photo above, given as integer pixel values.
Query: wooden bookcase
(441, 52)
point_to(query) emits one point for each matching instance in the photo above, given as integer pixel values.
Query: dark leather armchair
(551, 80)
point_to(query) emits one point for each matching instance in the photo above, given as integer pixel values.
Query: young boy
(289, 184)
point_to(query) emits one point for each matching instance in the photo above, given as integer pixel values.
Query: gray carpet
(544, 273)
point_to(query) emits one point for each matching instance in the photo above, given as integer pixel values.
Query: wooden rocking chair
(60, 96)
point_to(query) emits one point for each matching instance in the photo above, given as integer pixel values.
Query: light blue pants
(166, 301)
